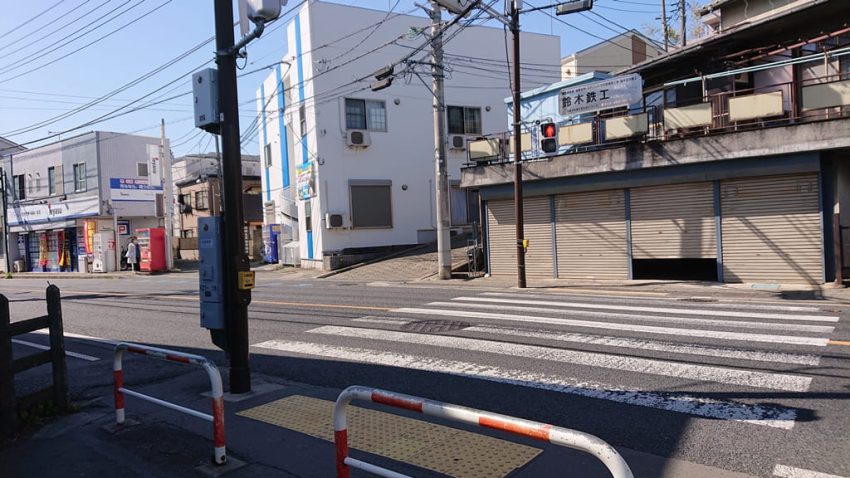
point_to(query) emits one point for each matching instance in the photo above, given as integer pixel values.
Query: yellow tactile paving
(434, 447)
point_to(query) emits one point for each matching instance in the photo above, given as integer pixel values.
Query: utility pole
(168, 197)
(444, 247)
(518, 203)
(664, 28)
(5, 220)
(683, 21)
(235, 261)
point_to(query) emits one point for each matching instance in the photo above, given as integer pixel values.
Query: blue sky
(43, 80)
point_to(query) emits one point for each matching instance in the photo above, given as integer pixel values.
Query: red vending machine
(152, 249)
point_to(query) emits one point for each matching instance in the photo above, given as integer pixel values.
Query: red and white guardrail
(540, 431)
(217, 417)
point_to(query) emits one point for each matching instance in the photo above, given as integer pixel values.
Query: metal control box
(211, 273)
(205, 93)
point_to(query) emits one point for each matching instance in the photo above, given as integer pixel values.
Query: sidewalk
(284, 430)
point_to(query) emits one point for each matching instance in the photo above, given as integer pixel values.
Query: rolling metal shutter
(674, 222)
(771, 228)
(501, 237)
(591, 234)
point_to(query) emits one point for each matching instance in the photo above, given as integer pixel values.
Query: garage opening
(675, 269)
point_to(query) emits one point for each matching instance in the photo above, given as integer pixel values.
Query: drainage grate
(432, 326)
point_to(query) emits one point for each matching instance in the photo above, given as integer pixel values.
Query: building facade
(346, 169)
(732, 166)
(7, 148)
(197, 189)
(60, 196)
(614, 54)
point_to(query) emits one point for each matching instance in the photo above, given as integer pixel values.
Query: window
(302, 119)
(365, 114)
(844, 67)
(19, 185)
(371, 204)
(463, 120)
(267, 155)
(51, 180)
(80, 177)
(200, 199)
(142, 169)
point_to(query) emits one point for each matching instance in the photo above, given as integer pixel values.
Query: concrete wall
(404, 154)
(611, 55)
(742, 11)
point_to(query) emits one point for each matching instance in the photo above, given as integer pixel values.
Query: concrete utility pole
(444, 247)
(664, 29)
(518, 203)
(5, 220)
(168, 197)
(235, 261)
(684, 22)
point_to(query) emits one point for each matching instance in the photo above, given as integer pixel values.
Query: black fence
(10, 403)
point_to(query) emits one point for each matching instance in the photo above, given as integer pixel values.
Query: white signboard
(601, 95)
(154, 166)
(53, 211)
(128, 189)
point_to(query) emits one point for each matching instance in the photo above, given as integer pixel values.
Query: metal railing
(217, 395)
(517, 426)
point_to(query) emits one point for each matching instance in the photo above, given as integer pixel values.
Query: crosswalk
(658, 353)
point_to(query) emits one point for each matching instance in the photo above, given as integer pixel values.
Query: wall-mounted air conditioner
(457, 142)
(357, 138)
(335, 220)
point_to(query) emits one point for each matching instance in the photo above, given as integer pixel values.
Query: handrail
(217, 417)
(518, 426)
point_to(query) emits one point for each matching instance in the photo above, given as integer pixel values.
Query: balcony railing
(767, 106)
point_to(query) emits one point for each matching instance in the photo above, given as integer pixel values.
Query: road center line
(791, 472)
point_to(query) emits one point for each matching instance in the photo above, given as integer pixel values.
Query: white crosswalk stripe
(668, 365)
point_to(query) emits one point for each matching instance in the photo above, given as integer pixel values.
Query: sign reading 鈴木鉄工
(601, 95)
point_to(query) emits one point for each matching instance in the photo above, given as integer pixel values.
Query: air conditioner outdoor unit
(335, 220)
(357, 138)
(457, 142)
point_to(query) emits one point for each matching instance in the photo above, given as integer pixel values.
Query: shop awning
(44, 226)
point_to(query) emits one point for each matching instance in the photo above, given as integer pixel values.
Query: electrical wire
(31, 41)
(27, 22)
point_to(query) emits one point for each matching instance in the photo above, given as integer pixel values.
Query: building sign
(154, 166)
(305, 180)
(89, 230)
(128, 189)
(20, 215)
(124, 228)
(601, 95)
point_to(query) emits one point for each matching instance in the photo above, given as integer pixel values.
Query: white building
(614, 54)
(345, 168)
(62, 194)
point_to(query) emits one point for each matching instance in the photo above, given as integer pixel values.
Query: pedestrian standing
(133, 254)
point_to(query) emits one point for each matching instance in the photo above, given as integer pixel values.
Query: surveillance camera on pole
(256, 11)
(573, 7)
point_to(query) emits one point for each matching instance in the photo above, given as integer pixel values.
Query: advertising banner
(601, 95)
(305, 180)
(154, 166)
(129, 189)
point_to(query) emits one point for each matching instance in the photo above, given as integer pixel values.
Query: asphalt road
(738, 384)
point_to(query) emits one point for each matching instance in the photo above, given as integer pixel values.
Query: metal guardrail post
(217, 417)
(556, 435)
(57, 348)
(8, 409)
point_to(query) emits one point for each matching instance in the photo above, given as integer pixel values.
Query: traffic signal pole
(235, 261)
(518, 203)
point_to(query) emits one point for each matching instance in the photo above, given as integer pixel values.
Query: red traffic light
(548, 130)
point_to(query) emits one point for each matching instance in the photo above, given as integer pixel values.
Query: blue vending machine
(271, 233)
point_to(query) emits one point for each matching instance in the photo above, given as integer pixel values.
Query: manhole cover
(432, 326)
(697, 299)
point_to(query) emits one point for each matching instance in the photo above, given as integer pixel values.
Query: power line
(30, 41)
(26, 22)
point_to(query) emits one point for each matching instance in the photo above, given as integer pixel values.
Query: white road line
(791, 472)
(44, 347)
(771, 416)
(703, 373)
(738, 324)
(376, 320)
(663, 310)
(777, 339)
(82, 337)
(611, 341)
(680, 301)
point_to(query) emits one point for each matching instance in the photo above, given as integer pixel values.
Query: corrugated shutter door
(674, 222)
(501, 237)
(591, 234)
(771, 229)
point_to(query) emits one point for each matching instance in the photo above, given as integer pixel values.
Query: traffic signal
(549, 138)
